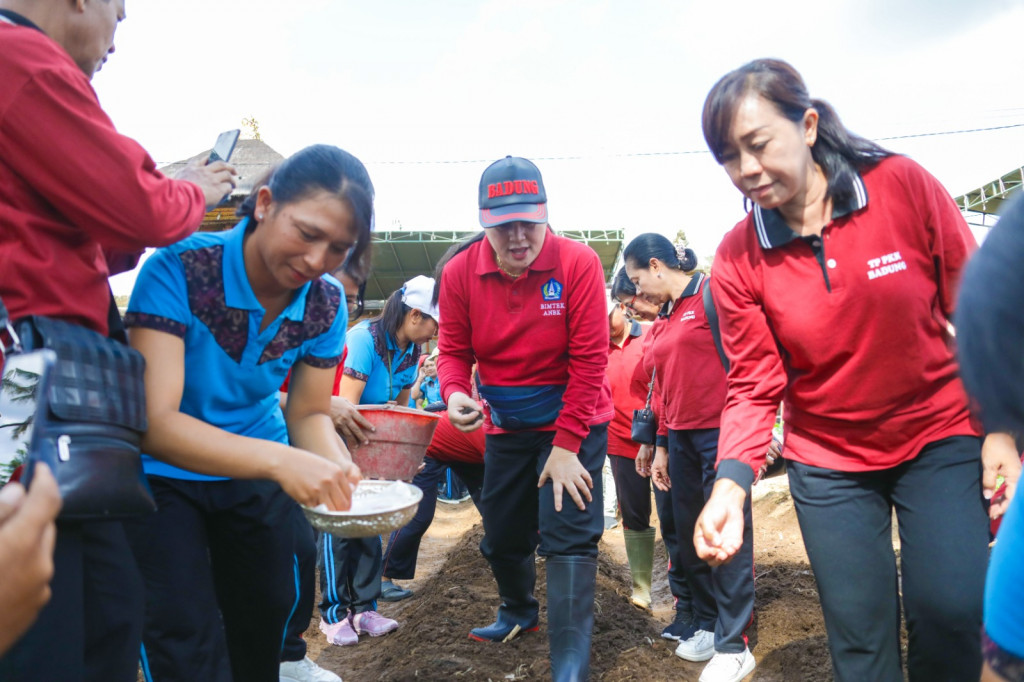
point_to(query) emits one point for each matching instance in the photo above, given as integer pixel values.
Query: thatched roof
(252, 159)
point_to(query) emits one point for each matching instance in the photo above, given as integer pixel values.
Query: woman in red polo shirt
(624, 291)
(528, 306)
(689, 394)
(834, 293)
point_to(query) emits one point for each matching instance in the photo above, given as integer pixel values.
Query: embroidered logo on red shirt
(886, 265)
(552, 290)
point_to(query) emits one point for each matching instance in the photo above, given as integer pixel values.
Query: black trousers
(350, 572)
(91, 628)
(305, 555)
(221, 579)
(404, 543)
(846, 521)
(634, 494)
(520, 518)
(723, 597)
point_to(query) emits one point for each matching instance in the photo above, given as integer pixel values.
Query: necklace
(497, 261)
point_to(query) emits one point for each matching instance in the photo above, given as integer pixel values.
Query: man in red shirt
(78, 202)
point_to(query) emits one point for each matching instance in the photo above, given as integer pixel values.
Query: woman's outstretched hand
(718, 534)
(312, 480)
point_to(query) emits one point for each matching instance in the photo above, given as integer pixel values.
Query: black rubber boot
(519, 608)
(570, 615)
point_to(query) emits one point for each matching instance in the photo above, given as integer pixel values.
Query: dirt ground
(455, 591)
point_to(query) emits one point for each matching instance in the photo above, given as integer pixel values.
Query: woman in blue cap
(528, 306)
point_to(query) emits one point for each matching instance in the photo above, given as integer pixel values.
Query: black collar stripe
(762, 235)
(9, 17)
(773, 232)
(694, 285)
(861, 193)
(692, 288)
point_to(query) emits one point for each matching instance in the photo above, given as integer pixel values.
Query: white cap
(417, 293)
(613, 303)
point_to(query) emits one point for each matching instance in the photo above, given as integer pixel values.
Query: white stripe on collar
(861, 192)
(762, 235)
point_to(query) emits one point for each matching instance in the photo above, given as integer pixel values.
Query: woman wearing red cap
(834, 293)
(529, 307)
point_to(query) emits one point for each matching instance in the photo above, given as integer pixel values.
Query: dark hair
(453, 250)
(622, 285)
(323, 168)
(643, 248)
(393, 314)
(354, 268)
(839, 152)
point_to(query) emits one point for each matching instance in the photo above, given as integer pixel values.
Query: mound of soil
(787, 637)
(433, 641)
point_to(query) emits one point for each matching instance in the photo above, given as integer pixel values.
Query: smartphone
(225, 145)
(26, 377)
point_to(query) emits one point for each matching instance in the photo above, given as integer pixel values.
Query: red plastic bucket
(396, 449)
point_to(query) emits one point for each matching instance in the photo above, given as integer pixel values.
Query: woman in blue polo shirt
(220, 319)
(380, 367)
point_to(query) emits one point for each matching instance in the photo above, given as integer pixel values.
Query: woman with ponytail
(381, 361)
(631, 467)
(689, 394)
(220, 319)
(834, 294)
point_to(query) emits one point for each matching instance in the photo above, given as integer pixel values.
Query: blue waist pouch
(515, 408)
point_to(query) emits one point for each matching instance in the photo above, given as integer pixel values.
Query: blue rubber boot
(570, 615)
(519, 610)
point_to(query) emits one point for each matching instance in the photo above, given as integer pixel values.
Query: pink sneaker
(373, 624)
(340, 633)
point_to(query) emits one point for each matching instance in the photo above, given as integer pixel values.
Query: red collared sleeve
(589, 337)
(641, 378)
(104, 183)
(950, 240)
(757, 377)
(455, 334)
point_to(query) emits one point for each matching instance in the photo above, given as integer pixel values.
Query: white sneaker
(305, 671)
(729, 667)
(700, 647)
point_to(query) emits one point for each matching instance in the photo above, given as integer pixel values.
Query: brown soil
(454, 591)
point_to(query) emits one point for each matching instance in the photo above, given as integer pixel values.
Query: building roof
(988, 199)
(252, 159)
(399, 256)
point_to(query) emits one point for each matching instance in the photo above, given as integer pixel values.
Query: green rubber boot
(640, 553)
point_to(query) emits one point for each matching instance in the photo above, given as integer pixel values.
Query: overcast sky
(604, 96)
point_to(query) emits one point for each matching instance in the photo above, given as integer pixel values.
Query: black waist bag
(89, 423)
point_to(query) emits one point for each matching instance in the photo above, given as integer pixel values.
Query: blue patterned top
(367, 360)
(198, 291)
